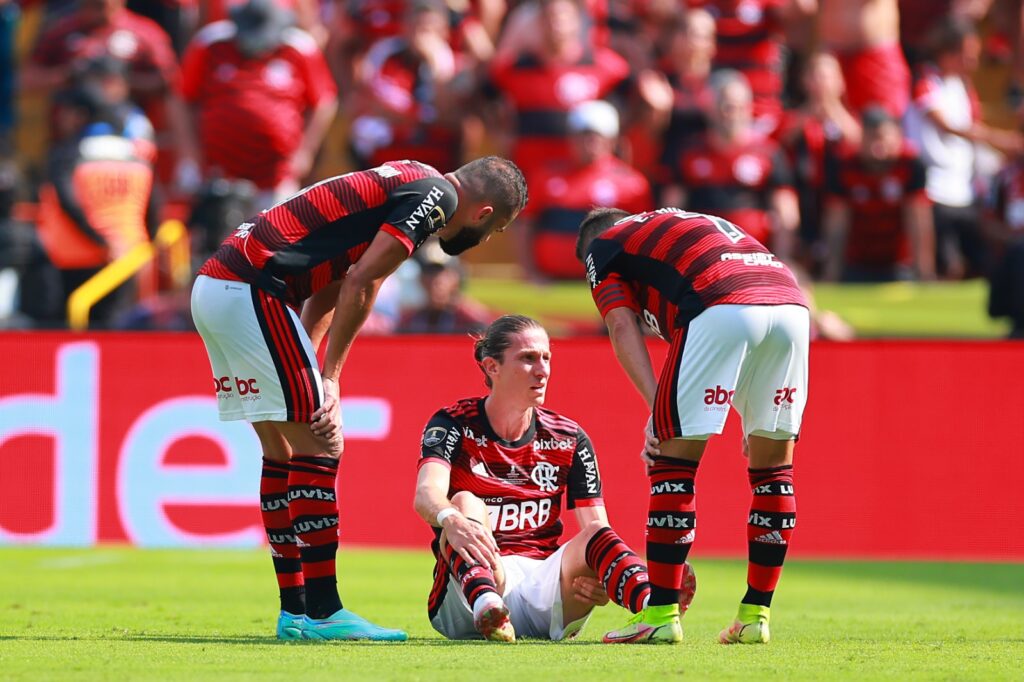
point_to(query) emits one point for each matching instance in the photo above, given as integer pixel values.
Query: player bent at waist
(325, 252)
(492, 474)
(738, 326)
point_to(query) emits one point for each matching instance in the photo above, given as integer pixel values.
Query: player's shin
(313, 507)
(283, 546)
(770, 527)
(671, 521)
(622, 572)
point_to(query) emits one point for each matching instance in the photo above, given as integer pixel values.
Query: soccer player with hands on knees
(492, 475)
(738, 325)
(302, 270)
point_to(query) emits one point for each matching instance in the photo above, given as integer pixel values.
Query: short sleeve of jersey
(609, 290)
(583, 488)
(419, 209)
(442, 439)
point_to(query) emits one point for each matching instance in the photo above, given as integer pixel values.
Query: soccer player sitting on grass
(491, 479)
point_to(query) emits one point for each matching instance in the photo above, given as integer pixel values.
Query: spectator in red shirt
(878, 220)
(750, 36)
(542, 84)
(564, 194)
(737, 173)
(411, 94)
(691, 52)
(264, 99)
(818, 130)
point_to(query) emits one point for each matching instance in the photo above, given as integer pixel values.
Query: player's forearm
(430, 501)
(631, 351)
(355, 300)
(318, 125)
(318, 313)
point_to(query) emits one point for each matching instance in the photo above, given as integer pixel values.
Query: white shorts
(533, 595)
(264, 366)
(749, 358)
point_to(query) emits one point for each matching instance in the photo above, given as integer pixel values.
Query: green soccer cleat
(653, 625)
(750, 626)
(343, 625)
(491, 619)
(289, 626)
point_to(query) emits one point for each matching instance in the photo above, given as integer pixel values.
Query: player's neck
(509, 421)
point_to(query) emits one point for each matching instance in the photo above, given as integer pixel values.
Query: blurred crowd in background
(847, 135)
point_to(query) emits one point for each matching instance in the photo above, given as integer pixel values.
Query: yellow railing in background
(172, 237)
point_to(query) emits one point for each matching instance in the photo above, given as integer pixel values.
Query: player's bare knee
(684, 448)
(766, 450)
(274, 446)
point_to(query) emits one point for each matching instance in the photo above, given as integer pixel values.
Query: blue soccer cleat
(343, 625)
(289, 626)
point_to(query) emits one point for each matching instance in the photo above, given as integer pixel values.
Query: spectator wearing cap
(263, 97)
(445, 309)
(409, 98)
(945, 124)
(878, 220)
(737, 173)
(565, 193)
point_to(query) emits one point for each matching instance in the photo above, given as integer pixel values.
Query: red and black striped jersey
(670, 265)
(297, 247)
(876, 198)
(749, 40)
(542, 93)
(735, 182)
(521, 482)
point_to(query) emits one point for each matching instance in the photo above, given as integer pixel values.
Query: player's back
(298, 246)
(678, 264)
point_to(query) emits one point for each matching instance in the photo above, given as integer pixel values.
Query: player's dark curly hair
(594, 223)
(497, 179)
(496, 339)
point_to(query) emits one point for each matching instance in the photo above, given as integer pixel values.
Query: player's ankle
(753, 613)
(487, 600)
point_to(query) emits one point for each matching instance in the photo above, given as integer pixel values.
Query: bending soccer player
(324, 251)
(738, 325)
(491, 479)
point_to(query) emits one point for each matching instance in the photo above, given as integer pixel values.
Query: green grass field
(122, 614)
(899, 309)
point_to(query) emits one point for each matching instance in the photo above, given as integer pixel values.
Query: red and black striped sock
(622, 572)
(475, 579)
(769, 529)
(283, 548)
(671, 520)
(313, 506)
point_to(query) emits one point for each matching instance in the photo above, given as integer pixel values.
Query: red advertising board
(909, 450)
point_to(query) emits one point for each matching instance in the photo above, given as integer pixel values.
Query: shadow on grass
(419, 642)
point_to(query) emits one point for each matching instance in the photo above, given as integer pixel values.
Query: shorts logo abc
(784, 397)
(717, 396)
